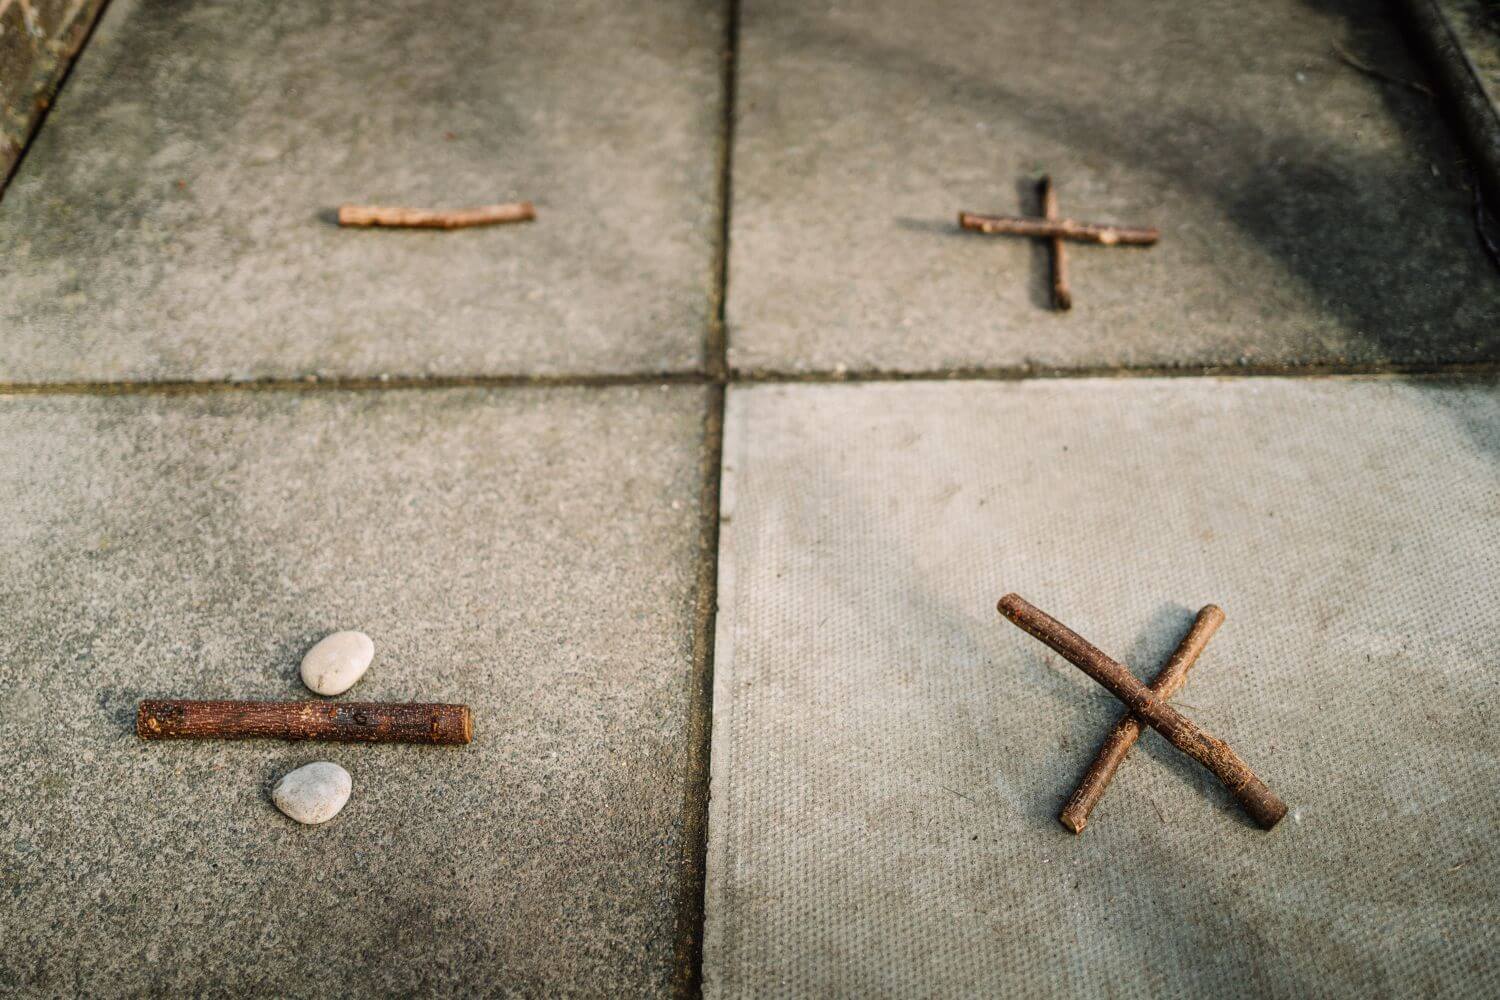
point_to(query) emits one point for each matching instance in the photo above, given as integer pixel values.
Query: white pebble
(313, 793)
(336, 663)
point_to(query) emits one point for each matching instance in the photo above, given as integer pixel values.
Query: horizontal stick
(419, 218)
(1067, 229)
(339, 722)
(1112, 754)
(1258, 800)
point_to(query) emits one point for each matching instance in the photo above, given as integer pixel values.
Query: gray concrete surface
(889, 755)
(172, 219)
(529, 552)
(1311, 214)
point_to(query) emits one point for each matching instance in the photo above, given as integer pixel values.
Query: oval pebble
(314, 793)
(337, 662)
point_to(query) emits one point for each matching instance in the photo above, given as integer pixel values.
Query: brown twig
(1067, 229)
(418, 218)
(1096, 779)
(340, 722)
(1349, 59)
(1062, 296)
(1258, 800)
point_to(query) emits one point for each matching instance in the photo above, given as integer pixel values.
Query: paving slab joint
(692, 885)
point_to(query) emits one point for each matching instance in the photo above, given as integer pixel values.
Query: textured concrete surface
(173, 219)
(38, 40)
(531, 553)
(1311, 214)
(889, 755)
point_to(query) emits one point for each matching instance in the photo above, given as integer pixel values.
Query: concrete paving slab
(531, 553)
(173, 220)
(889, 756)
(1311, 215)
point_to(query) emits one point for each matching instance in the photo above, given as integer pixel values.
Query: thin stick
(419, 218)
(1067, 229)
(1096, 779)
(1258, 800)
(1062, 296)
(1348, 59)
(339, 722)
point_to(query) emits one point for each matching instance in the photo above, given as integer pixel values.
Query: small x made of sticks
(1263, 805)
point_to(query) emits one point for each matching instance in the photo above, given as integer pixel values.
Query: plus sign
(1055, 230)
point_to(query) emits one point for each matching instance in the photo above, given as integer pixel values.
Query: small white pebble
(313, 793)
(336, 663)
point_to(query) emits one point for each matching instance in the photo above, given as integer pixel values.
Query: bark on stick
(340, 722)
(1062, 295)
(1067, 229)
(420, 218)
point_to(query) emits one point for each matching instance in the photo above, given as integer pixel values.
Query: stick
(418, 218)
(339, 722)
(1067, 229)
(1062, 297)
(1112, 754)
(1348, 59)
(1258, 800)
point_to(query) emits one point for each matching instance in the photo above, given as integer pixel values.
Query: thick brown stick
(1258, 800)
(339, 722)
(384, 215)
(1067, 229)
(1062, 296)
(1097, 778)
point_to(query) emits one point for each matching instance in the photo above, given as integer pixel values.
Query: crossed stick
(1147, 706)
(1055, 231)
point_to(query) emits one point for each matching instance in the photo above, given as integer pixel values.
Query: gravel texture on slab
(174, 220)
(530, 553)
(1309, 213)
